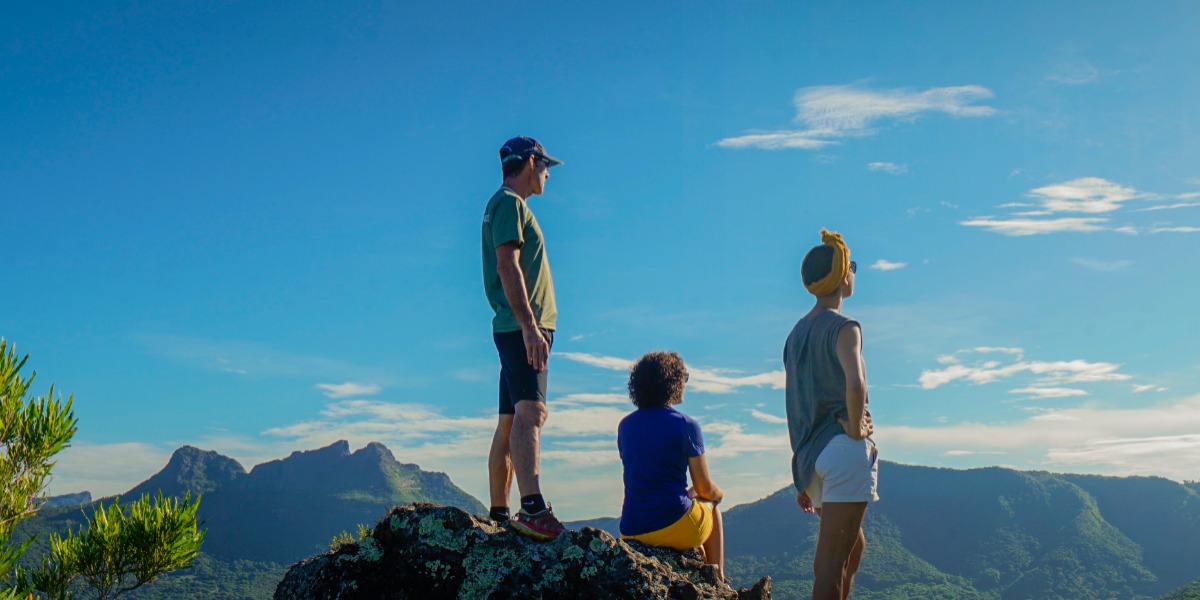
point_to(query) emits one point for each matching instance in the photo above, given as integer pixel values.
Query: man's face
(540, 173)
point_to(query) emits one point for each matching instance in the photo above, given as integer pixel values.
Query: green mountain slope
(1191, 591)
(261, 522)
(992, 532)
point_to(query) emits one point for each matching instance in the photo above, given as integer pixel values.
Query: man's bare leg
(500, 466)
(841, 529)
(524, 443)
(714, 546)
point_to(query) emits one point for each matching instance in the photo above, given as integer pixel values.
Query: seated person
(659, 447)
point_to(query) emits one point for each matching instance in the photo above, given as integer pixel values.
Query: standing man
(516, 278)
(834, 461)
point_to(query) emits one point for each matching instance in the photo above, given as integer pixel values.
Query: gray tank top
(816, 389)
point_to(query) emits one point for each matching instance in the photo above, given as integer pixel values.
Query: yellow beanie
(839, 268)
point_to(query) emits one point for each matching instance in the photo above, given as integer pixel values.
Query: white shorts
(847, 471)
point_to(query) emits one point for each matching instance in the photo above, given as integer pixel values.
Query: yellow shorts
(690, 531)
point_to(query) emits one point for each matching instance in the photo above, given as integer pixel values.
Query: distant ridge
(67, 500)
(990, 532)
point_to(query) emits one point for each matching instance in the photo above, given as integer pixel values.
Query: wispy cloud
(1050, 374)
(1074, 73)
(1084, 195)
(1168, 206)
(713, 381)
(888, 167)
(1149, 387)
(1023, 226)
(1145, 440)
(348, 389)
(829, 113)
(1102, 265)
(1048, 392)
(768, 418)
(887, 265)
(1087, 197)
(253, 358)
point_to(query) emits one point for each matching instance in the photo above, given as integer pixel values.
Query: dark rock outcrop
(430, 551)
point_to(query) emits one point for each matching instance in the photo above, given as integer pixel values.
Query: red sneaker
(541, 526)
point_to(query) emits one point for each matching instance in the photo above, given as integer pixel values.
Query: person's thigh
(518, 380)
(840, 526)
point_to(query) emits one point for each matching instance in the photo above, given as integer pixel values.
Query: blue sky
(254, 229)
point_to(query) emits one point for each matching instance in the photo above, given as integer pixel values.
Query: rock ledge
(431, 551)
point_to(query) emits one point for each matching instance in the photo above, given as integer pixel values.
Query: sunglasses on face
(853, 267)
(545, 162)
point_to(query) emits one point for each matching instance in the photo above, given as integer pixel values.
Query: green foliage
(32, 431)
(1190, 591)
(120, 549)
(211, 578)
(344, 538)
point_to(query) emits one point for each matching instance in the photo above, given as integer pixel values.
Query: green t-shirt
(508, 219)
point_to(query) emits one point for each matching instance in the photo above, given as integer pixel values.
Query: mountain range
(936, 533)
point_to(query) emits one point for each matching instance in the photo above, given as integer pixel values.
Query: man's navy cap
(521, 147)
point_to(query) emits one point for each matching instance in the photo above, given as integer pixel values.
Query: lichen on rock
(430, 551)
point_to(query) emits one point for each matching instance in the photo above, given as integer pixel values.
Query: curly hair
(657, 379)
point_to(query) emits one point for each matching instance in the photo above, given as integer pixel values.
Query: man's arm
(508, 266)
(702, 483)
(849, 353)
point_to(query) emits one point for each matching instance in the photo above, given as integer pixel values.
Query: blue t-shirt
(655, 445)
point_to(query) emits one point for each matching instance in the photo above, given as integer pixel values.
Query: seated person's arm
(706, 488)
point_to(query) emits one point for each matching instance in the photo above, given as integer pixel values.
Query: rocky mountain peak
(191, 470)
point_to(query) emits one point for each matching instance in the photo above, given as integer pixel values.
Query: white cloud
(1051, 374)
(1147, 440)
(713, 381)
(595, 360)
(733, 440)
(970, 453)
(1085, 196)
(768, 418)
(1022, 227)
(243, 357)
(1149, 387)
(829, 113)
(887, 265)
(1101, 265)
(782, 140)
(1090, 195)
(106, 469)
(348, 389)
(1049, 392)
(888, 167)
(1168, 206)
(577, 399)
(843, 108)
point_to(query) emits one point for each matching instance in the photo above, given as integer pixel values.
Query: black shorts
(518, 380)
